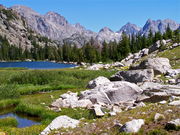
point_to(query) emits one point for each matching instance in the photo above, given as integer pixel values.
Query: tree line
(90, 52)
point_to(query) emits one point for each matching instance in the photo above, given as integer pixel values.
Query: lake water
(23, 121)
(36, 65)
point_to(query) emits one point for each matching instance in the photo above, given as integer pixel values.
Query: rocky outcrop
(97, 82)
(134, 76)
(157, 45)
(55, 26)
(133, 58)
(159, 65)
(17, 32)
(112, 92)
(60, 122)
(132, 126)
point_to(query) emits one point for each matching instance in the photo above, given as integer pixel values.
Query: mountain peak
(55, 18)
(129, 29)
(24, 10)
(158, 25)
(105, 29)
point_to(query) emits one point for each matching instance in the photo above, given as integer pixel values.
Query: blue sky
(95, 14)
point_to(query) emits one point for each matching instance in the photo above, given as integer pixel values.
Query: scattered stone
(97, 82)
(112, 113)
(163, 102)
(98, 111)
(132, 126)
(71, 100)
(117, 64)
(158, 117)
(134, 76)
(173, 125)
(60, 122)
(116, 109)
(140, 104)
(175, 103)
(173, 72)
(172, 81)
(168, 111)
(95, 67)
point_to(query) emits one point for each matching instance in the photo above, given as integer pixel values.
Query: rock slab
(159, 65)
(60, 122)
(112, 92)
(97, 82)
(134, 76)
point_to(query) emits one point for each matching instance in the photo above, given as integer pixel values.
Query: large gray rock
(60, 122)
(159, 65)
(132, 126)
(134, 76)
(154, 92)
(171, 90)
(112, 92)
(97, 82)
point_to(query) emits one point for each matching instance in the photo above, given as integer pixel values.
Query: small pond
(23, 120)
(36, 65)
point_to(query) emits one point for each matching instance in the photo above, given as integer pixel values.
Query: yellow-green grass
(173, 55)
(106, 124)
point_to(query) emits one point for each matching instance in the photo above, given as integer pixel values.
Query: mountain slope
(15, 29)
(53, 25)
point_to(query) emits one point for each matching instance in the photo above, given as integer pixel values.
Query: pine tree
(168, 33)
(105, 52)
